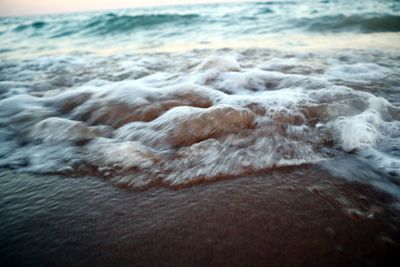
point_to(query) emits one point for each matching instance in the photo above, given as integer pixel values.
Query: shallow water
(144, 120)
(137, 130)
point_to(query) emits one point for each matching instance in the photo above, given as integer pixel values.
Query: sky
(34, 7)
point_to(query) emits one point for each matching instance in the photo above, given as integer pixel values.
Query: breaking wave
(113, 23)
(106, 24)
(367, 23)
(33, 25)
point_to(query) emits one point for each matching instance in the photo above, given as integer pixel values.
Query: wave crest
(112, 23)
(362, 23)
(34, 25)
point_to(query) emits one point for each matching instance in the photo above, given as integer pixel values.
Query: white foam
(219, 63)
(183, 119)
(356, 132)
(57, 129)
(106, 153)
(358, 72)
(15, 104)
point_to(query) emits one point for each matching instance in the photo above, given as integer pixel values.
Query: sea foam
(180, 124)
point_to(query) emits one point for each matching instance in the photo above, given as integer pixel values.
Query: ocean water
(86, 94)
(182, 97)
(264, 24)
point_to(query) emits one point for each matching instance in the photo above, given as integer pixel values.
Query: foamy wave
(197, 118)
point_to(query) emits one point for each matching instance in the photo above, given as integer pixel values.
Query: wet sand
(285, 217)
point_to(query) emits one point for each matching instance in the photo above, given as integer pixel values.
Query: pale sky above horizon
(36, 7)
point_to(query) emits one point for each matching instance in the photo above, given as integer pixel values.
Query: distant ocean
(290, 24)
(186, 96)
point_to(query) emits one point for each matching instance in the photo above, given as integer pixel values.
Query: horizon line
(139, 6)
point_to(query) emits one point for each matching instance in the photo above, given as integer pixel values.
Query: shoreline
(286, 43)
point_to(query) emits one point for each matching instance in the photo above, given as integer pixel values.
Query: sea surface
(166, 108)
